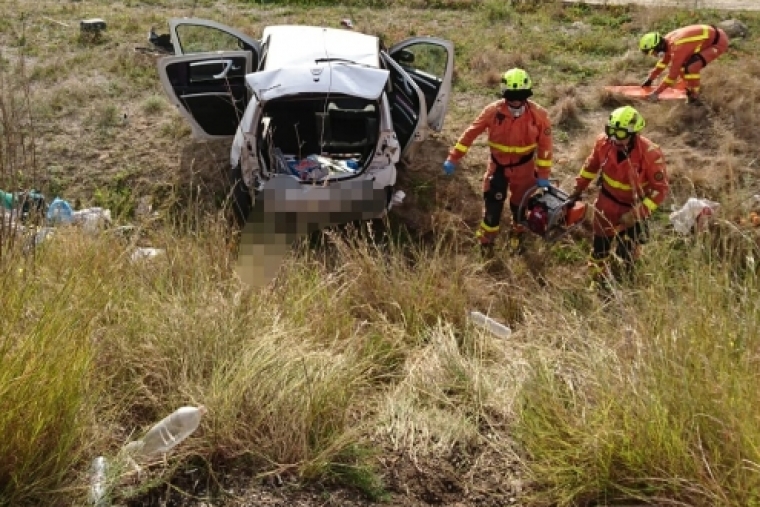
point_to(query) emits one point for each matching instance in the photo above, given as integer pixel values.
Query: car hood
(332, 77)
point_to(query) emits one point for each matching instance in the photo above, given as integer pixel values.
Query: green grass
(357, 368)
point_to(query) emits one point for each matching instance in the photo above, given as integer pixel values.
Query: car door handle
(228, 65)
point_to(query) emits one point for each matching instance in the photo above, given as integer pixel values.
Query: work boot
(517, 239)
(486, 251)
(692, 98)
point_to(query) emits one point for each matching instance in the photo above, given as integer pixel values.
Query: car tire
(242, 202)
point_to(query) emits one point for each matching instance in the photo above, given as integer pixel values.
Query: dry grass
(357, 367)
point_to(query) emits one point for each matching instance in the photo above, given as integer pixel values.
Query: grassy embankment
(360, 357)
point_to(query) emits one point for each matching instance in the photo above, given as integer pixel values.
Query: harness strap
(717, 35)
(522, 160)
(603, 190)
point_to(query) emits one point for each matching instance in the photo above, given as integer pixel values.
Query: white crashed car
(318, 117)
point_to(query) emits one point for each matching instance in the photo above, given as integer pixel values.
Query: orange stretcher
(675, 92)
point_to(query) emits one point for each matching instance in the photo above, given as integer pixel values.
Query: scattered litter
(693, 215)
(167, 433)
(397, 199)
(59, 212)
(490, 324)
(92, 219)
(161, 438)
(146, 253)
(97, 482)
(93, 25)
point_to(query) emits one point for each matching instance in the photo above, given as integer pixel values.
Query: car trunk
(318, 137)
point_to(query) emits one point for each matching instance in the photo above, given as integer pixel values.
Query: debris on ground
(694, 215)
(491, 325)
(159, 440)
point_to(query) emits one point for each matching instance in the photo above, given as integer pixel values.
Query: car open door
(209, 89)
(408, 109)
(195, 35)
(430, 62)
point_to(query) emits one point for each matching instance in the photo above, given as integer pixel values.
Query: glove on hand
(647, 82)
(448, 167)
(628, 220)
(541, 183)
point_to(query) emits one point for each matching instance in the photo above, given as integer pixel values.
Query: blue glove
(448, 167)
(543, 183)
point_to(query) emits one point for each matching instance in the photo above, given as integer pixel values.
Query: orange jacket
(509, 138)
(640, 180)
(682, 43)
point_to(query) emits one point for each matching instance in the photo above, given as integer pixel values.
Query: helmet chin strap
(516, 111)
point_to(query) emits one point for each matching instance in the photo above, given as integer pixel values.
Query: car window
(200, 39)
(428, 58)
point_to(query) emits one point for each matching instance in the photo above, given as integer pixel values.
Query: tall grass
(657, 399)
(360, 348)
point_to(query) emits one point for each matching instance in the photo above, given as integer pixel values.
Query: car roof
(300, 45)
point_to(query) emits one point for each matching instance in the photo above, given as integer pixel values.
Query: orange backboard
(639, 92)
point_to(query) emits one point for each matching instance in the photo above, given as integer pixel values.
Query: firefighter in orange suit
(687, 51)
(520, 141)
(633, 183)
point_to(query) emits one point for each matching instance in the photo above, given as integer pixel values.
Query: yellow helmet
(624, 122)
(516, 84)
(649, 42)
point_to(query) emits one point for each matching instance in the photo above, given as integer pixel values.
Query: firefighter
(687, 51)
(633, 183)
(520, 142)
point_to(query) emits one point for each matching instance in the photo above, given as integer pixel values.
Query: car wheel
(242, 202)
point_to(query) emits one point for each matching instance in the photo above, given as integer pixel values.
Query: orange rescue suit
(637, 182)
(523, 145)
(690, 49)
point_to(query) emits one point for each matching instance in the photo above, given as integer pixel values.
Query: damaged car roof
(298, 45)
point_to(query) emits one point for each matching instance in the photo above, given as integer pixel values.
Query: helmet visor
(617, 133)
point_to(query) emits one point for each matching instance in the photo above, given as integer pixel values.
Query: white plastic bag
(92, 220)
(691, 212)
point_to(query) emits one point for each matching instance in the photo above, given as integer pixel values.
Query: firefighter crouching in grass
(520, 141)
(633, 182)
(687, 50)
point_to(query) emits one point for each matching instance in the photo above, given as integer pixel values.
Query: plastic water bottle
(97, 482)
(169, 431)
(489, 324)
(60, 212)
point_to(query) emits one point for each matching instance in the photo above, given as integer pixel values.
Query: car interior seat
(342, 130)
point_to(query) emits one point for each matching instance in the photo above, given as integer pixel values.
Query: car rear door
(430, 62)
(209, 89)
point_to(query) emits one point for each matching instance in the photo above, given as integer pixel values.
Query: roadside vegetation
(356, 378)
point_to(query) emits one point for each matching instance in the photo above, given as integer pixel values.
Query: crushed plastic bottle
(97, 482)
(490, 324)
(168, 432)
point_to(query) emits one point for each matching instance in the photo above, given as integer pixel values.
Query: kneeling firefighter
(633, 183)
(520, 141)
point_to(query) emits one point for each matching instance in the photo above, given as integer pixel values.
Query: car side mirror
(405, 56)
